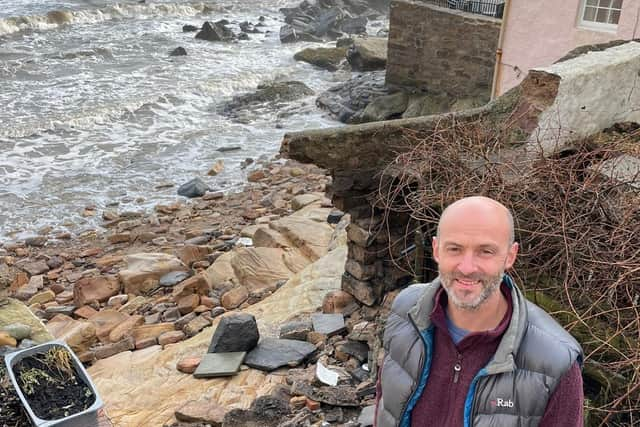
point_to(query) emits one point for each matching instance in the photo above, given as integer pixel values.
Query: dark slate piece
(194, 188)
(173, 278)
(273, 353)
(328, 324)
(219, 364)
(236, 332)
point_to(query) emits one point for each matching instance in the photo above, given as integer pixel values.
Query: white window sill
(602, 28)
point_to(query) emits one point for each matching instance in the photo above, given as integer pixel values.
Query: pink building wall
(539, 32)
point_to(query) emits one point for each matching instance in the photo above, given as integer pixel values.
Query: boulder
(268, 93)
(386, 107)
(215, 32)
(179, 51)
(144, 271)
(235, 333)
(194, 188)
(328, 58)
(368, 54)
(426, 105)
(99, 289)
(273, 353)
(346, 101)
(291, 34)
(79, 335)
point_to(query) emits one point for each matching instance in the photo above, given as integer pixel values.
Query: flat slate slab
(328, 324)
(219, 364)
(273, 353)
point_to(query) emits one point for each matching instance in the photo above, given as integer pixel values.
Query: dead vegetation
(578, 229)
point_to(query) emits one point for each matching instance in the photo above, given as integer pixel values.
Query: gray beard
(490, 285)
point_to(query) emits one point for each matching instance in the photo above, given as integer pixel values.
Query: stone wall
(441, 50)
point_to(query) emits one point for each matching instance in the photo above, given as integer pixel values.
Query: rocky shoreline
(151, 281)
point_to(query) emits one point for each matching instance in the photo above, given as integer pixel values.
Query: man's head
(473, 247)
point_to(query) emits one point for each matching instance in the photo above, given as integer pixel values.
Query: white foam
(57, 18)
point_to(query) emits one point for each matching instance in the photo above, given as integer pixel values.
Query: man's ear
(511, 256)
(434, 249)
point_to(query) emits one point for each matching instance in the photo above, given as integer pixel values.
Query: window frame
(595, 25)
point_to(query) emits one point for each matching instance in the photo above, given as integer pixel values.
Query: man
(467, 349)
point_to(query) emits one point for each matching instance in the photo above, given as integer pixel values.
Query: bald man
(468, 349)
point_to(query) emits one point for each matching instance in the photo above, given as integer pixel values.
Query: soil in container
(12, 413)
(51, 385)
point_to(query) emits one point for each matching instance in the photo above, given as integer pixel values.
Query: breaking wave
(87, 118)
(57, 18)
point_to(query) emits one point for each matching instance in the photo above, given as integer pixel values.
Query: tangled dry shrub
(578, 229)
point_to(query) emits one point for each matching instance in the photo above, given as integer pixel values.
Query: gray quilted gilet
(512, 390)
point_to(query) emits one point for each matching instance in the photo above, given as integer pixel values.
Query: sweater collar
(504, 357)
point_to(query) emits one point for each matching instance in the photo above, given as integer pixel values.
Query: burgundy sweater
(442, 402)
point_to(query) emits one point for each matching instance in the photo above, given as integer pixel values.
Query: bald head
(479, 208)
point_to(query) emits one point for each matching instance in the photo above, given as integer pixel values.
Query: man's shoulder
(408, 297)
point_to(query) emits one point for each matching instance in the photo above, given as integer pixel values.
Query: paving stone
(219, 364)
(273, 353)
(328, 324)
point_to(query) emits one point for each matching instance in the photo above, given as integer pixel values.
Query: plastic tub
(86, 418)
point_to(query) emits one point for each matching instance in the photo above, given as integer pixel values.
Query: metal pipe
(496, 68)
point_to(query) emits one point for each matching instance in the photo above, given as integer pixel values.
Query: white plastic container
(86, 418)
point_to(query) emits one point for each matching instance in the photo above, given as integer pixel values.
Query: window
(603, 14)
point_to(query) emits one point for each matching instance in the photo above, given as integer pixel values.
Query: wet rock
(347, 101)
(179, 51)
(248, 27)
(291, 34)
(368, 54)
(235, 332)
(322, 57)
(229, 148)
(270, 94)
(216, 31)
(356, 25)
(189, 28)
(386, 107)
(272, 353)
(194, 188)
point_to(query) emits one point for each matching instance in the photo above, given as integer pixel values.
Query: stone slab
(219, 364)
(328, 324)
(273, 353)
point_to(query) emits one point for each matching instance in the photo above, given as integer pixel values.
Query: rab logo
(501, 403)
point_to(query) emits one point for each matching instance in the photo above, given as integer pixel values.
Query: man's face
(472, 252)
